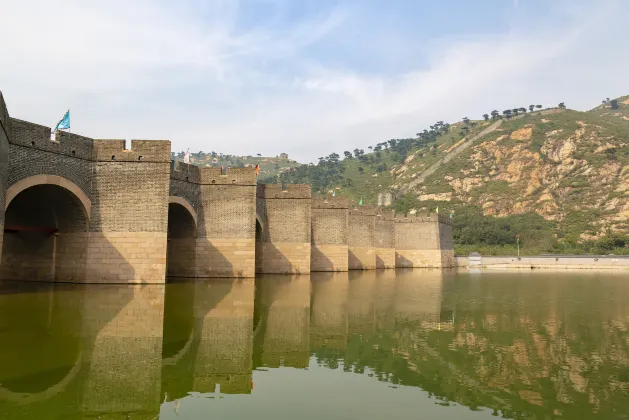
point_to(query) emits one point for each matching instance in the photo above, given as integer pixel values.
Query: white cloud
(193, 75)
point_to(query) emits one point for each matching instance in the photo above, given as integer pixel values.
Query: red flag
(257, 169)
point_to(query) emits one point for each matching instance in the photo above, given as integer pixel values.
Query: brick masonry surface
(283, 244)
(329, 234)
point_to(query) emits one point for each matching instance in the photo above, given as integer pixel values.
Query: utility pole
(517, 238)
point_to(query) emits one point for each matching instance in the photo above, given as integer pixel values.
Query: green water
(373, 345)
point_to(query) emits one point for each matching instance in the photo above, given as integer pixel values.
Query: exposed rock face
(566, 166)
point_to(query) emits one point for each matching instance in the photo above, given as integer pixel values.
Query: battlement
(37, 136)
(5, 120)
(387, 215)
(185, 172)
(288, 191)
(141, 150)
(330, 202)
(232, 176)
(427, 218)
(366, 210)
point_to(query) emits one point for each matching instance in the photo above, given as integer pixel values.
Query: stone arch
(182, 234)
(34, 180)
(46, 230)
(183, 202)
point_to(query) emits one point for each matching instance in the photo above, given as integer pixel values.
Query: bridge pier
(283, 242)
(329, 234)
(385, 240)
(423, 242)
(361, 238)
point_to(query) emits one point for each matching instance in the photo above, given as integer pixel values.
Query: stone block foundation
(234, 257)
(385, 258)
(429, 258)
(328, 258)
(126, 257)
(360, 258)
(283, 258)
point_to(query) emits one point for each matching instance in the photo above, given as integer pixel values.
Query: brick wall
(418, 242)
(284, 243)
(226, 231)
(4, 156)
(129, 212)
(385, 239)
(361, 238)
(329, 234)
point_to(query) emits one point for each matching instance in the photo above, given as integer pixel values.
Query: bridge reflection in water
(526, 344)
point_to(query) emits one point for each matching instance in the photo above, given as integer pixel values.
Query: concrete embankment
(554, 262)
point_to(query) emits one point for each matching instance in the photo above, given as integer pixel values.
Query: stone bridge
(77, 209)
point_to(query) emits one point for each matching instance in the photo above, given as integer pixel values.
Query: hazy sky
(306, 77)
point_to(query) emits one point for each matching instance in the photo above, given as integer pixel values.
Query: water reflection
(513, 345)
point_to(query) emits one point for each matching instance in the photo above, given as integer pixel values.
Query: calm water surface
(374, 345)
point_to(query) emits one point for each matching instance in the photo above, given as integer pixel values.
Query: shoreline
(545, 262)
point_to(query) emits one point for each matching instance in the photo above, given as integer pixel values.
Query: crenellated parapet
(423, 218)
(330, 203)
(185, 172)
(141, 150)
(290, 191)
(231, 176)
(35, 136)
(366, 210)
(388, 215)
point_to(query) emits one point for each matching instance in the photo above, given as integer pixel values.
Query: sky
(303, 77)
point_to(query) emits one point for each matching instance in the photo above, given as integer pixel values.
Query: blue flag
(64, 124)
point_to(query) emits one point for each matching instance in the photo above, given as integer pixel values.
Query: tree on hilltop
(486, 117)
(531, 108)
(614, 103)
(494, 114)
(466, 120)
(348, 155)
(562, 105)
(538, 106)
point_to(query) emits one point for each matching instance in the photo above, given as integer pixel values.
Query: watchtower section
(129, 211)
(385, 239)
(226, 222)
(283, 234)
(361, 238)
(423, 241)
(5, 127)
(329, 234)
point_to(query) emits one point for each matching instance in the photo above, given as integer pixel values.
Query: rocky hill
(556, 177)
(568, 167)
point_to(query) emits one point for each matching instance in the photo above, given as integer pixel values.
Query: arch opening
(45, 235)
(181, 248)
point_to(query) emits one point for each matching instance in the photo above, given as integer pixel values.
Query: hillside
(558, 178)
(270, 167)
